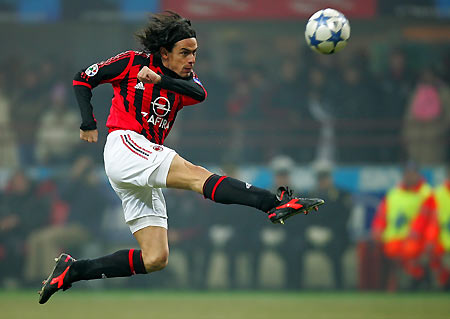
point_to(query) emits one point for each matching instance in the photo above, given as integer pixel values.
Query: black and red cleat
(57, 279)
(290, 206)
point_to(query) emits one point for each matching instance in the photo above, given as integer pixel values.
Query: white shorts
(137, 170)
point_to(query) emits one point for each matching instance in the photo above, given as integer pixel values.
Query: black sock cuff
(122, 263)
(136, 263)
(211, 184)
(228, 190)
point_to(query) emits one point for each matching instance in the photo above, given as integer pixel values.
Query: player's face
(181, 59)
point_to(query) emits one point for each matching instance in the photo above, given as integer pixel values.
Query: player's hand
(146, 75)
(89, 136)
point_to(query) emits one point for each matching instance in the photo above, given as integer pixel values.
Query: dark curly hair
(164, 30)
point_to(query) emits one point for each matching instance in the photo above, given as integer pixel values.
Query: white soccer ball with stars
(327, 31)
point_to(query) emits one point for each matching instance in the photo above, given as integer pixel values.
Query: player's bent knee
(155, 262)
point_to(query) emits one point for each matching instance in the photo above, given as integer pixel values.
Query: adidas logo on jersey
(139, 86)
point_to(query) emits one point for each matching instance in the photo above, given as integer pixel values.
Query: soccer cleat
(56, 280)
(290, 206)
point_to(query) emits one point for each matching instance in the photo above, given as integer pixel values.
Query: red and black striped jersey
(148, 109)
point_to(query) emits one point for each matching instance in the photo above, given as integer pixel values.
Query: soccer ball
(327, 31)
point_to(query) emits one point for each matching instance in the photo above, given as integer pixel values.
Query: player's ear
(164, 53)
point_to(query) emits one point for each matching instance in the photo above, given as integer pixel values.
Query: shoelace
(288, 191)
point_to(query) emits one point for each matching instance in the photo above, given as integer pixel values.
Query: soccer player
(150, 88)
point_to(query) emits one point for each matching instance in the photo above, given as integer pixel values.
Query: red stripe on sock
(215, 186)
(130, 260)
(204, 184)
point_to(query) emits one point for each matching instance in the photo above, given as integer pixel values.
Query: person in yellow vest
(400, 223)
(437, 234)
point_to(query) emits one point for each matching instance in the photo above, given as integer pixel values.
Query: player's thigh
(185, 175)
(154, 246)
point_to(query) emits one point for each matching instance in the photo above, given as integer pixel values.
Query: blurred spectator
(356, 96)
(233, 230)
(245, 110)
(358, 100)
(48, 75)
(399, 223)
(283, 103)
(369, 253)
(187, 233)
(218, 89)
(396, 85)
(328, 229)
(287, 47)
(247, 95)
(22, 209)
(8, 156)
(236, 102)
(427, 121)
(86, 202)
(438, 234)
(284, 100)
(322, 107)
(85, 194)
(289, 240)
(446, 67)
(29, 97)
(58, 131)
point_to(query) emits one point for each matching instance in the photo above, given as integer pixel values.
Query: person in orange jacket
(437, 233)
(401, 221)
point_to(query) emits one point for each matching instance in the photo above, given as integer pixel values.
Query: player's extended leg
(185, 175)
(152, 257)
(226, 190)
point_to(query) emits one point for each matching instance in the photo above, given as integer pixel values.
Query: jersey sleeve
(191, 89)
(111, 70)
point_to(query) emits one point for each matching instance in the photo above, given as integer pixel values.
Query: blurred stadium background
(276, 112)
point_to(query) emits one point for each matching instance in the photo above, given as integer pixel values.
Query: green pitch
(78, 304)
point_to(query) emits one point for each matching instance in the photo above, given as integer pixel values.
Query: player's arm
(190, 87)
(114, 69)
